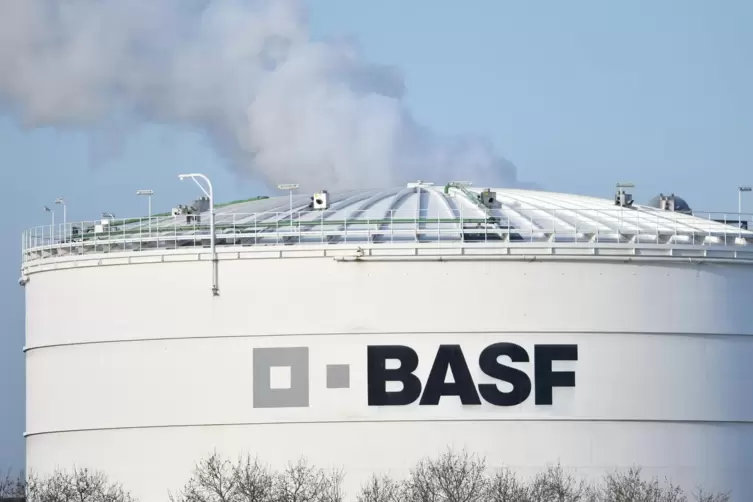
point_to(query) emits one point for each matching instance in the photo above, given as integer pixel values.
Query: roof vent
(670, 202)
(667, 202)
(488, 198)
(201, 205)
(180, 210)
(320, 200)
(621, 197)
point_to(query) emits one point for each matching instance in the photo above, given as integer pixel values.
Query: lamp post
(210, 194)
(740, 191)
(52, 225)
(149, 194)
(290, 187)
(61, 201)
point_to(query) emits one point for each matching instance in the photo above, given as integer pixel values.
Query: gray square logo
(338, 376)
(281, 377)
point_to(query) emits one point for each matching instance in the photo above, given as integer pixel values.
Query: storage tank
(367, 329)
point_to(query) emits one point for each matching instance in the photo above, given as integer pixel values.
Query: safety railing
(577, 225)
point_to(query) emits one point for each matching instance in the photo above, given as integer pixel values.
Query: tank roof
(416, 213)
(522, 209)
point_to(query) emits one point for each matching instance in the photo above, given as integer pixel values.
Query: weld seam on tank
(386, 333)
(382, 421)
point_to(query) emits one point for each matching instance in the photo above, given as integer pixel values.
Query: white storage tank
(530, 327)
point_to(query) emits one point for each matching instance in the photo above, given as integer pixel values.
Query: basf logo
(295, 393)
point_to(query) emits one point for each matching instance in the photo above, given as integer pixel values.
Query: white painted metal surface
(403, 215)
(133, 368)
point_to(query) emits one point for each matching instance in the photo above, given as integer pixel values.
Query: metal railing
(577, 225)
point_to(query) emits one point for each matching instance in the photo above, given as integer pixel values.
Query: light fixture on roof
(52, 224)
(622, 198)
(148, 194)
(290, 187)
(419, 183)
(740, 191)
(61, 201)
(210, 194)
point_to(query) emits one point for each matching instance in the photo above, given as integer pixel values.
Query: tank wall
(152, 461)
(174, 299)
(662, 376)
(211, 381)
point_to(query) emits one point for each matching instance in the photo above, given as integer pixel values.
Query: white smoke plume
(275, 103)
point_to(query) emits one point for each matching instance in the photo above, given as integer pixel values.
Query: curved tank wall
(137, 370)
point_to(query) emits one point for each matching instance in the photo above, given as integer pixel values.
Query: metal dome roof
(428, 207)
(680, 204)
(416, 213)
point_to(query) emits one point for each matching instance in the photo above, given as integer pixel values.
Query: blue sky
(579, 95)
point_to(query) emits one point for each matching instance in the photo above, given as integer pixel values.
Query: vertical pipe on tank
(210, 194)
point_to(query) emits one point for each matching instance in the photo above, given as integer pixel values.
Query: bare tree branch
(629, 486)
(213, 480)
(12, 487)
(80, 485)
(332, 488)
(381, 489)
(505, 487)
(219, 480)
(701, 496)
(254, 482)
(300, 482)
(555, 485)
(452, 477)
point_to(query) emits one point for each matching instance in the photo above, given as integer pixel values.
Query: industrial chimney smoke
(247, 73)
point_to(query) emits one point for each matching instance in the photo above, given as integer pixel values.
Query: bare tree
(452, 477)
(218, 480)
(555, 485)
(629, 486)
(332, 487)
(80, 485)
(701, 496)
(504, 486)
(213, 480)
(12, 487)
(301, 482)
(254, 482)
(381, 489)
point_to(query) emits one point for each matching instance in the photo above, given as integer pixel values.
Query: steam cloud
(276, 103)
